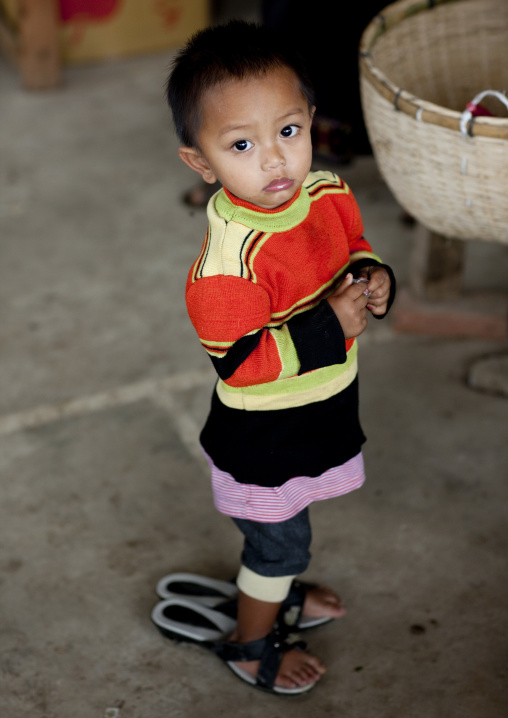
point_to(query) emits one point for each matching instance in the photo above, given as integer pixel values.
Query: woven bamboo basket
(421, 63)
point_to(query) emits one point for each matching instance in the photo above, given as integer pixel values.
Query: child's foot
(322, 602)
(297, 669)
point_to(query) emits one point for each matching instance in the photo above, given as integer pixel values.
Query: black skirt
(267, 448)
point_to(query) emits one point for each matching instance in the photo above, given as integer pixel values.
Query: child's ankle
(246, 636)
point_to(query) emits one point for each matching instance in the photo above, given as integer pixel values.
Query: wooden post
(33, 43)
(437, 266)
(435, 303)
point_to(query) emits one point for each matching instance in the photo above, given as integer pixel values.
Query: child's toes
(321, 601)
(299, 669)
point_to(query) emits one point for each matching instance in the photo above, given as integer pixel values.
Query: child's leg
(273, 555)
(259, 600)
(282, 550)
(255, 620)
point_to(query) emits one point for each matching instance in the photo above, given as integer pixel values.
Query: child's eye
(289, 131)
(242, 145)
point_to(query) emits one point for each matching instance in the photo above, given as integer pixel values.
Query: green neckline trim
(281, 221)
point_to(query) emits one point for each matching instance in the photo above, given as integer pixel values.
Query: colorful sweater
(285, 404)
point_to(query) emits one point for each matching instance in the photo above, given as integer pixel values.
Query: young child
(274, 299)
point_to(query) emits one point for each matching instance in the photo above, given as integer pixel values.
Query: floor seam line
(119, 396)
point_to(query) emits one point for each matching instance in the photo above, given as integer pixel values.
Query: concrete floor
(104, 388)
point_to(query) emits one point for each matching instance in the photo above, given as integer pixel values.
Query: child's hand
(379, 288)
(350, 305)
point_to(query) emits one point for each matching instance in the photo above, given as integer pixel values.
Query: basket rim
(404, 101)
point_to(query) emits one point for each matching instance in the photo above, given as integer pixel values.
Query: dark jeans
(277, 549)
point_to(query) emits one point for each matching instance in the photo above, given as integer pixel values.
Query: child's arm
(232, 317)
(365, 264)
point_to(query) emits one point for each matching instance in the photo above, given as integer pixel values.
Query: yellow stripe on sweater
(294, 391)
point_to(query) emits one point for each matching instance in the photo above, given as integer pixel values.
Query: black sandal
(290, 615)
(184, 620)
(270, 652)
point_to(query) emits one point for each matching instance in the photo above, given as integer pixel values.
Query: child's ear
(195, 160)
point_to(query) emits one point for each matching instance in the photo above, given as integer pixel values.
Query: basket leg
(437, 265)
(435, 303)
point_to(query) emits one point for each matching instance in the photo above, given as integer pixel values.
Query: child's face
(255, 138)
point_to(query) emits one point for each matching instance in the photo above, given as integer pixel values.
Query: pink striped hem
(274, 504)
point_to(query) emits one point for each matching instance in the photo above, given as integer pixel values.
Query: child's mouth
(279, 184)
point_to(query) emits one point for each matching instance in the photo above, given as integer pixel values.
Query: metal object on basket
(476, 109)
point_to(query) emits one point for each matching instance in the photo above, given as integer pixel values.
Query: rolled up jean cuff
(272, 589)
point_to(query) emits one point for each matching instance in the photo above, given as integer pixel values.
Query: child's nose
(272, 158)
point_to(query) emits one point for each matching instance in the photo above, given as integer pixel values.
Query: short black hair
(235, 50)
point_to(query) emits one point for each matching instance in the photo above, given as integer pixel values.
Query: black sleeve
(318, 338)
(227, 365)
